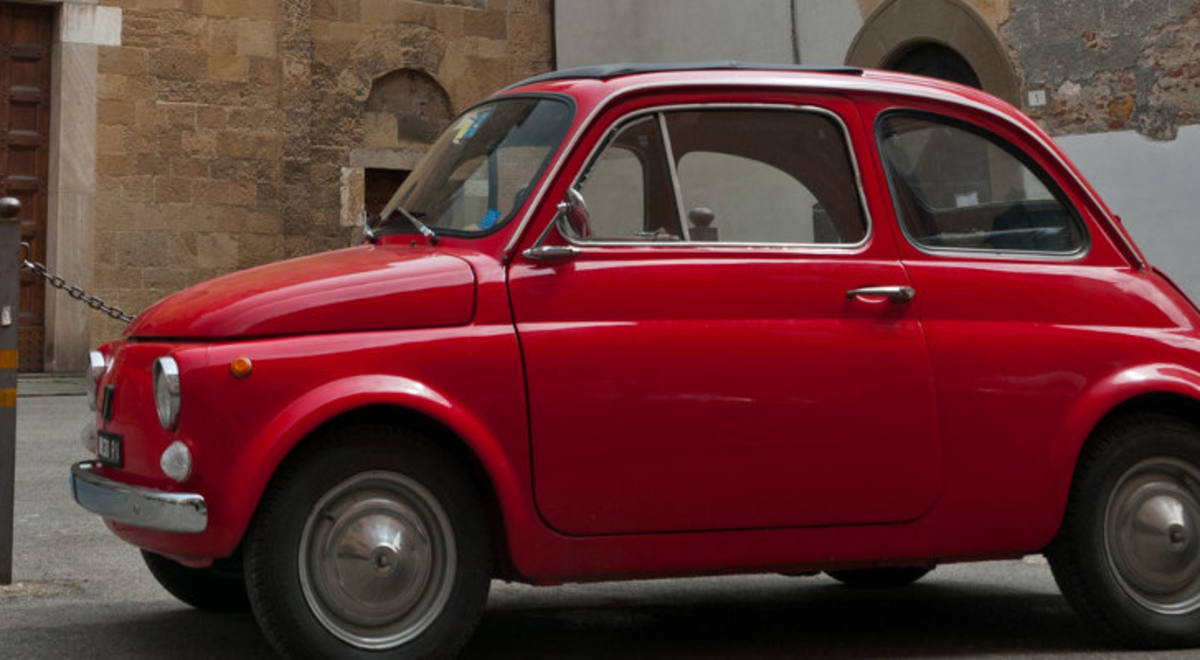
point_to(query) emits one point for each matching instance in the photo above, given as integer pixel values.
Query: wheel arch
(1162, 388)
(393, 401)
(457, 448)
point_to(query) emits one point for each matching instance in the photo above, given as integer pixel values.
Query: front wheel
(1127, 557)
(217, 588)
(374, 544)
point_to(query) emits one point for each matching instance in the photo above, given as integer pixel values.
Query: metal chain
(75, 292)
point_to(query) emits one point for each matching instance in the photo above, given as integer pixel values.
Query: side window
(765, 176)
(628, 187)
(956, 188)
(731, 176)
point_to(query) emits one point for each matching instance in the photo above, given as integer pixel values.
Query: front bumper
(140, 507)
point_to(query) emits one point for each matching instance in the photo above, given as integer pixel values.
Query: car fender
(266, 451)
(1098, 401)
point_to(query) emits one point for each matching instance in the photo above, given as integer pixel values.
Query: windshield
(478, 173)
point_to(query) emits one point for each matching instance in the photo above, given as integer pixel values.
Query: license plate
(110, 450)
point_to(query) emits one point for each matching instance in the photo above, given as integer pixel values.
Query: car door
(734, 345)
(1026, 304)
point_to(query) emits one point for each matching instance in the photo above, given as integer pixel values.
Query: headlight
(97, 365)
(166, 392)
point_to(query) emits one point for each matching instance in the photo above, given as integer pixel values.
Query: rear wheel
(217, 588)
(372, 545)
(1127, 557)
(887, 577)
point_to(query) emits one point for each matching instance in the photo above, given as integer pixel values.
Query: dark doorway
(378, 187)
(26, 34)
(935, 61)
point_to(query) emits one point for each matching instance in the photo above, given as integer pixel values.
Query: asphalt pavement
(80, 592)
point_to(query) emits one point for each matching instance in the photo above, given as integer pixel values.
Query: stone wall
(225, 128)
(1105, 65)
(1109, 65)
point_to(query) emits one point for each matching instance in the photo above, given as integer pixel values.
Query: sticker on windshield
(469, 124)
(489, 219)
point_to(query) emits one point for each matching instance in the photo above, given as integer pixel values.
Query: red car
(635, 321)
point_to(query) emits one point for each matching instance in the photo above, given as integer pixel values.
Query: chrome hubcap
(1151, 535)
(377, 560)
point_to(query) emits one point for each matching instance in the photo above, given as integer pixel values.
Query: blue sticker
(489, 219)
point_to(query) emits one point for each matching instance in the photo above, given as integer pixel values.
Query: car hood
(357, 289)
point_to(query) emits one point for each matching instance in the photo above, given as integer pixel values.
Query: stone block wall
(225, 127)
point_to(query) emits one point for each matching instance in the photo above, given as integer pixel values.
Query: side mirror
(571, 221)
(573, 215)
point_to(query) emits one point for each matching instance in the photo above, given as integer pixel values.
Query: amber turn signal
(240, 368)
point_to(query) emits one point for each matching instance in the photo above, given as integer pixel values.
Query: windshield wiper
(421, 226)
(372, 223)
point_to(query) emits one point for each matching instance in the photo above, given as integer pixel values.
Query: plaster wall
(1151, 184)
(824, 28)
(589, 32)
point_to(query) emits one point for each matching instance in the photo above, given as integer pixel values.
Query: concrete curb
(29, 385)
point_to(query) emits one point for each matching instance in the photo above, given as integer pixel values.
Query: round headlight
(97, 365)
(166, 392)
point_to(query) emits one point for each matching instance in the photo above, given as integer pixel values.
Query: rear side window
(958, 188)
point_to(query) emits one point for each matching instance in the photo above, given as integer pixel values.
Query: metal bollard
(10, 279)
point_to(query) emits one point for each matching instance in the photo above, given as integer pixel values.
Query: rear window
(955, 187)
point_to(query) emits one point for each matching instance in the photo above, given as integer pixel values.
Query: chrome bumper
(150, 509)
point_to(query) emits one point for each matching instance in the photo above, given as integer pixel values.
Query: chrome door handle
(896, 294)
(550, 252)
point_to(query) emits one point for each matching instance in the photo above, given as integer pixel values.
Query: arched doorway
(935, 61)
(940, 38)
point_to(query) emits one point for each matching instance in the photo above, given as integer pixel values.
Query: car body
(638, 321)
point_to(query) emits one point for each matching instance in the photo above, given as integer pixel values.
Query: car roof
(607, 81)
(622, 69)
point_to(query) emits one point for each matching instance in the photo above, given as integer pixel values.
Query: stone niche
(405, 107)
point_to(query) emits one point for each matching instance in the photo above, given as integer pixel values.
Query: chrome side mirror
(573, 215)
(571, 221)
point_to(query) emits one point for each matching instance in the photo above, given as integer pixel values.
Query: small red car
(637, 321)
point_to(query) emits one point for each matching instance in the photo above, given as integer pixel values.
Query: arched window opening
(411, 103)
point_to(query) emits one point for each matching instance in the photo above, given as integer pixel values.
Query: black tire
(218, 588)
(1137, 584)
(886, 577)
(418, 595)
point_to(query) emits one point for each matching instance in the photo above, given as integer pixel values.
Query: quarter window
(725, 176)
(955, 188)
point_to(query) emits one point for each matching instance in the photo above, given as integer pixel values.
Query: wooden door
(26, 33)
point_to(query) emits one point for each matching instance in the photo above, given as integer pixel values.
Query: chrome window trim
(672, 171)
(1007, 147)
(825, 84)
(829, 248)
